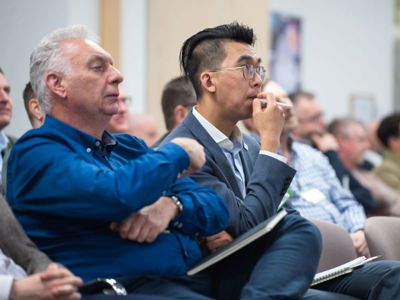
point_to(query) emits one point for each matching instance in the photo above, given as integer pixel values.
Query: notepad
(238, 243)
(341, 270)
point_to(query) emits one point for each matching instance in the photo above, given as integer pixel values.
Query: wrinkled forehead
(78, 49)
(3, 80)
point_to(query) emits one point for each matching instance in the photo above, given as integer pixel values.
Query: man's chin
(4, 121)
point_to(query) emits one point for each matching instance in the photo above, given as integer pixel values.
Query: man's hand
(147, 224)
(55, 283)
(194, 150)
(360, 243)
(269, 121)
(325, 142)
(218, 240)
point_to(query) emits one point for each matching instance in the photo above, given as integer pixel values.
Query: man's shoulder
(306, 149)
(180, 131)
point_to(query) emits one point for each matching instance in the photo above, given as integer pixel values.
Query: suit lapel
(213, 152)
(246, 163)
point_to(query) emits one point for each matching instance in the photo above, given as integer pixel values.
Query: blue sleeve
(352, 212)
(49, 177)
(204, 212)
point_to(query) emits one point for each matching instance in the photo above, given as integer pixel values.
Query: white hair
(48, 56)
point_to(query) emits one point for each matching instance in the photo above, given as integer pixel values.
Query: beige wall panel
(110, 28)
(171, 22)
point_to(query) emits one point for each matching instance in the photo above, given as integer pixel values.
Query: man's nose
(116, 76)
(4, 96)
(256, 81)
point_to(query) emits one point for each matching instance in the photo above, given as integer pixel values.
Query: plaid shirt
(329, 200)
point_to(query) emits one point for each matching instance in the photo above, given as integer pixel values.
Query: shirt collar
(232, 144)
(106, 144)
(3, 140)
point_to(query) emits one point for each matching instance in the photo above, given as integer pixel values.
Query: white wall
(134, 51)
(22, 24)
(347, 47)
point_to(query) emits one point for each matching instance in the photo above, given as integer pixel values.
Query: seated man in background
(352, 139)
(143, 126)
(119, 122)
(389, 136)
(32, 107)
(177, 99)
(19, 257)
(6, 141)
(312, 130)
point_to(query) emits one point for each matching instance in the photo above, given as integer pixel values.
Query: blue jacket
(66, 186)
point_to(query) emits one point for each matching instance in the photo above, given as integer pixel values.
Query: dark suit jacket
(267, 179)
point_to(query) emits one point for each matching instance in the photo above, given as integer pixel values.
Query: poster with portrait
(285, 62)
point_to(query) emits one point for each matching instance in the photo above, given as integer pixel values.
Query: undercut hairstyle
(48, 56)
(206, 50)
(341, 127)
(178, 91)
(389, 127)
(301, 94)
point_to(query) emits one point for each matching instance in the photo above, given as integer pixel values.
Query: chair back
(337, 246)
(383, 236)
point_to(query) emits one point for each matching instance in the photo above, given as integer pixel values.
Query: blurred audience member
(389, 136)
(373, 156)
(315, 190)
(6, 141)
(144, 126)
(178, 98)
(119, 122)
(19, 256)
(55, 283)
(32, 107)
(353, 142)
(312, 130)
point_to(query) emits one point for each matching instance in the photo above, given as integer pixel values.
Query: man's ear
(55, 84)
(180, 113)
(35, 109)
(207, 82)
(394, 144)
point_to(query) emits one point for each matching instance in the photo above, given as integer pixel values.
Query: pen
(283, 104)
(285, 199)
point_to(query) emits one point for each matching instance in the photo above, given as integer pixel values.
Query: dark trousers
(280, 266)
(374, 281)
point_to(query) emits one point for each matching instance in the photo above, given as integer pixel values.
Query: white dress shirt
(231, 146)
(9, 271)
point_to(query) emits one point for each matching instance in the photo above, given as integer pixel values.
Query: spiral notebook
(341, 270)
(238, 243)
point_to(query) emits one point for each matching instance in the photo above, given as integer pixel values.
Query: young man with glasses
(226, 74)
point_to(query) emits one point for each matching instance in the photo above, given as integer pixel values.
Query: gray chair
(383, 236)
(337, 246)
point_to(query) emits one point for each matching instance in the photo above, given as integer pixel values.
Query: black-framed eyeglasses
(249, 71)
